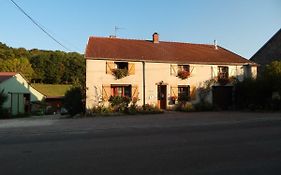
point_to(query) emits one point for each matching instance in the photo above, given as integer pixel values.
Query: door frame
(162, 96)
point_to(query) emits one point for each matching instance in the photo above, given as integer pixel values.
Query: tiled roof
(6, 75)
(146, 50)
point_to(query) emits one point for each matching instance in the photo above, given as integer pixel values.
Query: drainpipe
(143, 81)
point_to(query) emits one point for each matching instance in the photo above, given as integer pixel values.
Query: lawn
(52, 90)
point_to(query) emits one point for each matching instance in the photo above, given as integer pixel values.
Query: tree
(272, 75)
(20, 65)
(74, 101)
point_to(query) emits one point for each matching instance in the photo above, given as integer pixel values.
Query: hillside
(42, 66)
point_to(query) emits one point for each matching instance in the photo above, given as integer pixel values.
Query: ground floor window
(121, 90)
(183, 93)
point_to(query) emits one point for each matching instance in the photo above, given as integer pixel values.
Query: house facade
(20, 93)
(156, 72)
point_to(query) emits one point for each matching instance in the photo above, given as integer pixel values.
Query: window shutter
(135, 92)
(174, 91)
(109, 67)
(106, 92)
(193, 93)
(131, 68)
(173, 69)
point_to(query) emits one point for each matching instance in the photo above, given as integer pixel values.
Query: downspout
(143, 81)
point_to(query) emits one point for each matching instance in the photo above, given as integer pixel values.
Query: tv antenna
(116, 28)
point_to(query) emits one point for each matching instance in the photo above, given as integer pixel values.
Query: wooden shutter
(131, 68)
(110, 65)
(193, 93)
(174, 69)
(135, 92)
(174, 91)
(106, 92)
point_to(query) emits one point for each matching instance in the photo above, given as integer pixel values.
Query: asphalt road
(174, 143)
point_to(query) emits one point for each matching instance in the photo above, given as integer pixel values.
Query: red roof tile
(6, 75)
(145, 50)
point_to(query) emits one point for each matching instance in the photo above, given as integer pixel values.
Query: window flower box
(120, 73)
(183, 74)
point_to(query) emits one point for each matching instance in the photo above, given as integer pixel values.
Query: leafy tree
(53, 67)
(272, 75)
(20, 65)
(257, 94)
(74, 101)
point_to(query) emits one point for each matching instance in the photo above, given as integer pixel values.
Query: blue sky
(242, 26)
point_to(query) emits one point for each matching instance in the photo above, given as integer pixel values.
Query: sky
(242, 26)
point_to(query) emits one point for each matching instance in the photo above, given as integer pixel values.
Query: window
(247, 71)
(121, 65)
(122, 91)
(183, 93)
(223, 72)
(183, 68)
(183, 71)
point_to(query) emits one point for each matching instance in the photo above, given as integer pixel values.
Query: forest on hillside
(42, 66)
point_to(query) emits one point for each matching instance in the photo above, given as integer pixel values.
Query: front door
(162, 96)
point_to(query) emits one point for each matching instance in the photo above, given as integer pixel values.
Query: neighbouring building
(160, 73)
(269, 52)
(54, 96)
(21, 95)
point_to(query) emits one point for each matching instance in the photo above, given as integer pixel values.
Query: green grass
(52, 90)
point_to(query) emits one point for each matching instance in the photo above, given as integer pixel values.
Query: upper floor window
(247, 71)
(223, 72)
(121, 65)
(120, 69)
(183, 68)
(182, 71)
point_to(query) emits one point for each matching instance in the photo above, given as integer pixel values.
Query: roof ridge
(133, 39)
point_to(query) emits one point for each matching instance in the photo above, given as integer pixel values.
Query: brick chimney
(155, 37)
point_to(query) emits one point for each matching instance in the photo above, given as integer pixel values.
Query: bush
(203, 106)
(150, 109)
(74, 101)
(119, 103)
(4, 113)
(101, 110)
(185, 107)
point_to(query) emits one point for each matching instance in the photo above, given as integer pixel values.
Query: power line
(38, 25)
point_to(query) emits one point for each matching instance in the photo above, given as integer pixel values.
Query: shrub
(74, 101)
(203, 106)
(120, 73)
(223, 81)
(150, 109)
(119, 103)
(4, 113)
(185, 107)
(101, 110)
